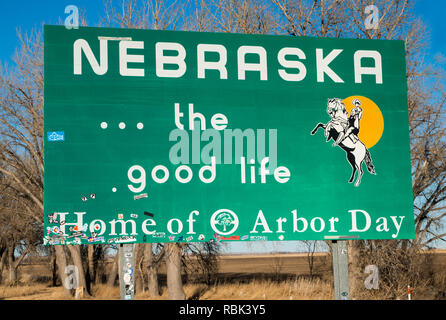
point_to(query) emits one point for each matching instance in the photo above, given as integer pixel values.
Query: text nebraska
(162, 60)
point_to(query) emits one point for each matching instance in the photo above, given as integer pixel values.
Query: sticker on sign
(56, 136)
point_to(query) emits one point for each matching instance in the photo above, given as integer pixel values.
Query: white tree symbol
(224, 219)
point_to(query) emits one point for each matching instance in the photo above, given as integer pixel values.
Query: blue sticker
(56, 136)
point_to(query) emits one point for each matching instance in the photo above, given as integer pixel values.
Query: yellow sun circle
(371, 126)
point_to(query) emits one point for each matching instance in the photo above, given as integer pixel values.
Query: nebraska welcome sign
(161, 136)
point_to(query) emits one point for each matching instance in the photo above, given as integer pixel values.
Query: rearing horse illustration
(343, 130)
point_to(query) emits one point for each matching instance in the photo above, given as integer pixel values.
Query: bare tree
(21, 128)
(138, 272)
(91, 262)
(21, 118)
(95, 258)
(312, 18)
(61, 261)
(3, 255)
(201, 259)
(198, 19)
(148, 257)
(276, 265)
(20, 235)
(113, 272)
(153, 255)
(239, 16)
(152, 14)
(173, 263)
(311, 247)
(78, 262)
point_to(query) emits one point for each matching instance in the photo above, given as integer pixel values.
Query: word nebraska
(298, 68)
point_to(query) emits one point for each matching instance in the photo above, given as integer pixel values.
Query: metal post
(340, 270)
(126, 271)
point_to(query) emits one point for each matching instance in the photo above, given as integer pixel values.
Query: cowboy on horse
(352, 128)
(343, 129)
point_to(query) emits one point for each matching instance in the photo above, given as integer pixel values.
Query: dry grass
(299, 289)
(102, 292)
(37, 291)
(236, 282)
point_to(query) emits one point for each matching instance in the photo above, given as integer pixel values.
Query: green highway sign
(169, 136)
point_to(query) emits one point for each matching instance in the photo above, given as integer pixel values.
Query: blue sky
(432, 13)
(26, 14)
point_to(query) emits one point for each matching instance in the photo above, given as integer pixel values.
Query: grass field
(240, 277)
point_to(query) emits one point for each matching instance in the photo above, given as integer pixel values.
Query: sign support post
(340, 270)
(126, 271)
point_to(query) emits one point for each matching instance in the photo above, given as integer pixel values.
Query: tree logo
(224, 221)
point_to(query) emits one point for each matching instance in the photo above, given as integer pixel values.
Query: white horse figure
(357, 152)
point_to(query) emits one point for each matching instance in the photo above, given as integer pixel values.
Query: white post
(340, 270)
(126, 270)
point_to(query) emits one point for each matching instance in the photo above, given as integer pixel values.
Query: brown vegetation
(236, 281)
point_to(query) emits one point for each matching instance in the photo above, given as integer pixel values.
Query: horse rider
(352, 129)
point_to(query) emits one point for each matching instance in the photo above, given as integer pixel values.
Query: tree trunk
(12, 270)
(12, 275)
(354, 268)
(99, 273)
(2, 262)
(61, 261)
(77, 260)
(173, 264)
(113, 272)
(138, 260)
(310, 257)
(99, 265)
(14, 263)
(53, 267)
(91, 268)
(152, 271)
